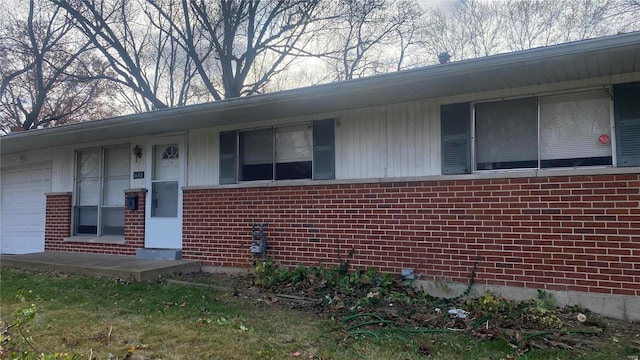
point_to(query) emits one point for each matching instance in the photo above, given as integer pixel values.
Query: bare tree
(364, 26)
(374, 36)
(626, 15)
(586, 19)
(410, 34)
(472, 29)
(117, 29)
(47, 72)
(174, 70)
(480, 26)
(244, 32)
(532, 23)
(442, 36)
(171, 53)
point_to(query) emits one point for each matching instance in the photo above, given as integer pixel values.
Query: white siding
(202, 163)
(395, 140)
(360, 144)
(138, 164)
(432, 149)
(62, 169)
(23, 158)
(388, 141)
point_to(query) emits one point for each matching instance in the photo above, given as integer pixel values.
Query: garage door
(23, 208)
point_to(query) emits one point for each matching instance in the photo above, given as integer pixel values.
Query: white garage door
(23, 208)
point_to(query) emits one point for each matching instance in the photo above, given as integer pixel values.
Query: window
(102, 175)
(164, 183)
(570, 129)
(280, 153)
(456, 156)
(507, 134)
(565, 130)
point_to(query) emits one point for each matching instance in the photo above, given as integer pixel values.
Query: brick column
(134, 220)
(57, 220)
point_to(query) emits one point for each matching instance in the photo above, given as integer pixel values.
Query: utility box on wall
(259, 239)
(131, 202)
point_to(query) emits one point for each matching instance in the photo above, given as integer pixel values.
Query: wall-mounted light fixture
(137, 152)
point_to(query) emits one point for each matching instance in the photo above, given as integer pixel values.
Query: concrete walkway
(115, 266)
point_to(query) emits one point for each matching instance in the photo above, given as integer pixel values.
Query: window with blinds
(565, 130)
(574, 129)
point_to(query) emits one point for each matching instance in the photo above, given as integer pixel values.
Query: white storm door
(163, 211)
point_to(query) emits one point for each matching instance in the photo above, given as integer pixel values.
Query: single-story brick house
(526, 163)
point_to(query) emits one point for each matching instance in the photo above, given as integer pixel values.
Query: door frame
(181, 140)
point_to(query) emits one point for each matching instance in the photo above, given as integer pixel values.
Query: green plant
(385, 280)
(400, 297)
(490, 303)
(268, 273)
(299, 274)
(541, 310)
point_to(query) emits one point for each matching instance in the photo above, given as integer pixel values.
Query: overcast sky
(444, 5)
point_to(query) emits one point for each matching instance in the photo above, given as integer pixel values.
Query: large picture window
(102, 175)
(303, 151)
(553, 131)
(568, 130)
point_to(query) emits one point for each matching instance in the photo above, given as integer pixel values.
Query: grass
(99, 317)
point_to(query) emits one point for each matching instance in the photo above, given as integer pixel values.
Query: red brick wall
(134, 222)
(57, 219)
(58, 227)
(577, 233)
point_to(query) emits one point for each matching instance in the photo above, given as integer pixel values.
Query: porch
(100, 265)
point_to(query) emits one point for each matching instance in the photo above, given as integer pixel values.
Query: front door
(163, 211)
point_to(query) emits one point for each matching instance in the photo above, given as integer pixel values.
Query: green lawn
(99, 317)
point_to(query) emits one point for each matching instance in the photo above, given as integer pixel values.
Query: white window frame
(101, 180)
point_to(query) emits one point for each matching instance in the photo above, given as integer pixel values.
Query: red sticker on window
(603, 139)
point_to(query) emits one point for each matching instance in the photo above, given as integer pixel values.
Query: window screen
(507, 134)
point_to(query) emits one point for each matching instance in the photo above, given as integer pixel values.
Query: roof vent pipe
(444, 57)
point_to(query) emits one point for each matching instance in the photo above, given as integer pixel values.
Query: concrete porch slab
(100, 265)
